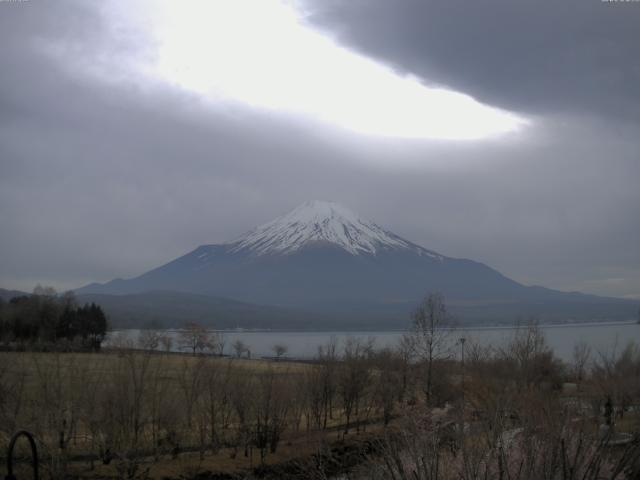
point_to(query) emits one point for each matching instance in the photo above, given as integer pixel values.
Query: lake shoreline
(601, 337)
(510, 326)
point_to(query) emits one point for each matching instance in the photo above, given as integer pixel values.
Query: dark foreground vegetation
(46, 320)
(434, 407)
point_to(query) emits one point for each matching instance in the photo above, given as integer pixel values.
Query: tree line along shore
(46, 321)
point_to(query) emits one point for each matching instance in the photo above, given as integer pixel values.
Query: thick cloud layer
(564, 57)
(108, 177)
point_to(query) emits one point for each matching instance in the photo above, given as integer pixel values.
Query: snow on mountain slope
(324, 260)
(322, 222)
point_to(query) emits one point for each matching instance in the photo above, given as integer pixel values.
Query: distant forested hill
(166, 309)
(7, 295)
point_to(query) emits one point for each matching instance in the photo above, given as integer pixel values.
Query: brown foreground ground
(516, 413)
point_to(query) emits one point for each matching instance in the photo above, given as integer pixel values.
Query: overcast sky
(506, 132)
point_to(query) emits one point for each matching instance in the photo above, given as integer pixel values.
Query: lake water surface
(602, 337)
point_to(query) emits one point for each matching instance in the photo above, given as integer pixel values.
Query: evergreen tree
(47, 317)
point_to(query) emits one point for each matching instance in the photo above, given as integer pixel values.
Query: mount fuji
(328, 262)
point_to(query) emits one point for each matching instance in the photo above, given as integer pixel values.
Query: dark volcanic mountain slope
(322, 257)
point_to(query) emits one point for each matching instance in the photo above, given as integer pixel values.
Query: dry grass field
(132, 413)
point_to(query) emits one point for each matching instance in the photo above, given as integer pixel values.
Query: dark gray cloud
(103, 178)
(572, 56)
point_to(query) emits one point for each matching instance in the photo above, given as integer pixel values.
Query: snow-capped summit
(316, 222)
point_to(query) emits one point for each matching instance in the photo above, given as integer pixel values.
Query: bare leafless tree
(239, 347)
(404, 355)
(191, 378)
(148, 339)
(327, 359)
(217, 342)
(353, 377)
(270, 412)
(216, 400)
(387, 378)
(429, 335)
(531, 357)
(279, 349)
(581, 357)
(194, 337)
(13, 394)
(241, 390)
(166, 341)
